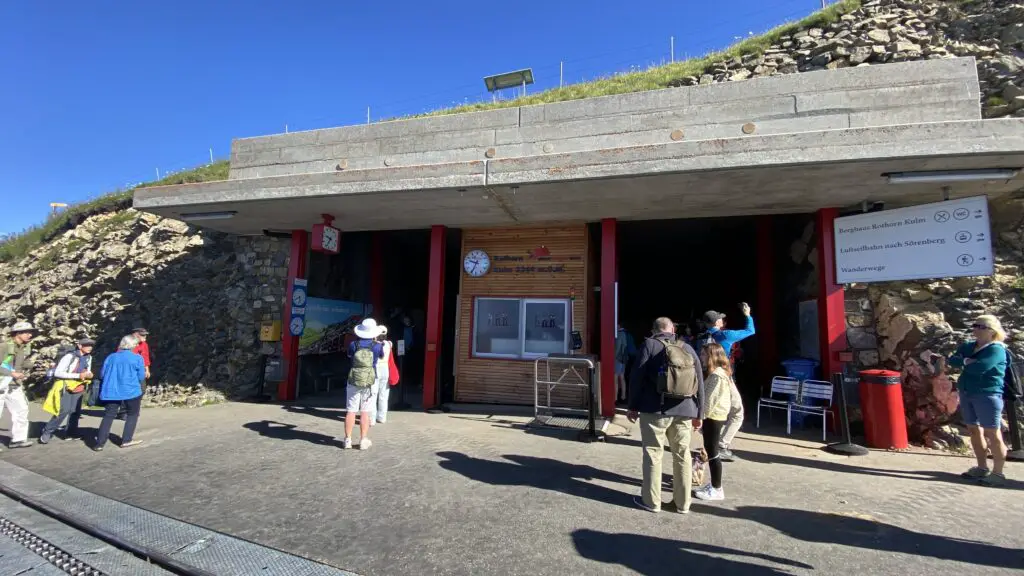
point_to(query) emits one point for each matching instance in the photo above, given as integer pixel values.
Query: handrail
(570, 372)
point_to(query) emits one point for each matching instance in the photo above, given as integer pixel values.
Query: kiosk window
(520, 328)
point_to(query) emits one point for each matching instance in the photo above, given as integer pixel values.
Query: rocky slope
(201, 295)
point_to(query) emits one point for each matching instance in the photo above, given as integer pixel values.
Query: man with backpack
(715, 322)
(14, 368)
(71, 378)
(361, 389)
(666, 393)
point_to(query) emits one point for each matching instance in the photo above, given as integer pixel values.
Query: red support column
(609, 276)
(377, 275)
(435, 309)
(288, 389)
(767, 327)
(831, 299)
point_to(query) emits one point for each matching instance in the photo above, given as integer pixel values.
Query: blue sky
(100, 94)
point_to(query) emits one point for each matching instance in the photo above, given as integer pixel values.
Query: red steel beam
(288, 389)
(831, 297)
(435, 309)
(609, 275)
(767, 323)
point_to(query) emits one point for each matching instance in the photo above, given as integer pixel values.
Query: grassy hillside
(18, 245)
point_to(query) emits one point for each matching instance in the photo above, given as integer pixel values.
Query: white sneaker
(364, 443)
(710, 494)
(347, 444)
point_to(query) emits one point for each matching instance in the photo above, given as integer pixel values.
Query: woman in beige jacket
(717, 401)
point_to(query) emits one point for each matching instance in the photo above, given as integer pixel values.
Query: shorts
(360, 399)
(985, 410)
(620, 367)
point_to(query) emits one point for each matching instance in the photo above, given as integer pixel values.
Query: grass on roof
(659, 77)
(17, 246)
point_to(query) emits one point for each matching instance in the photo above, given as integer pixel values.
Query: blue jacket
(123, 375)
(729, 337)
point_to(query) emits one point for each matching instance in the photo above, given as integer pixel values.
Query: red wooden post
(609, 276)
(377, 276)
(288, 389)
(767, 327)
(435, 309)
(831, 297)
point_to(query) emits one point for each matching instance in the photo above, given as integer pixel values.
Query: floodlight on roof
(515, 79)
(952, 175)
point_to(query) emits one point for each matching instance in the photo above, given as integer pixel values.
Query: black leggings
(712, 431)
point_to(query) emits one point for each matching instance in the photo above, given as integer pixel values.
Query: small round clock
(477, 263)
(297, 326)
(298, 297)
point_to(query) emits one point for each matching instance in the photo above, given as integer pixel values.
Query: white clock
(298, 297)
(297, 326)
(477, 263)
(330, 239)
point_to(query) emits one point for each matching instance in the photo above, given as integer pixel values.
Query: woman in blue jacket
(122, 378)
(984, 362)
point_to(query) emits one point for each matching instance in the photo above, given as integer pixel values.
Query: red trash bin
(881, 401)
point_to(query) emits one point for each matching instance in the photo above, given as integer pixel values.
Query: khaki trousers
(656, 431)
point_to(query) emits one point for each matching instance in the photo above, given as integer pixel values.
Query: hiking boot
(97, 448)
(975, 473)
(347, 444)
(130, 444)
(671, 507)
(44, 438)
(709, 493)
(364, 443)
(21, 444)
(993, 479)
(726, 455)
(639, 501)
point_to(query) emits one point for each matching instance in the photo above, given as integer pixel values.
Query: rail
(565, 371)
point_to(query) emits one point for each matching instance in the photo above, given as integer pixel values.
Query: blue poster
(328, 322)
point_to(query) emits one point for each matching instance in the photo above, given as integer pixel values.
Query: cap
(140, 330)
(86, 342)
(711, 316)
(22, 327)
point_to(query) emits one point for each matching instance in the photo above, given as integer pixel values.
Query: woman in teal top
(984, 362)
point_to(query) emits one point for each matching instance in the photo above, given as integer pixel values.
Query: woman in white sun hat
(366, 355)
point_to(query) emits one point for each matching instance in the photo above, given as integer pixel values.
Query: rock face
(201, 294)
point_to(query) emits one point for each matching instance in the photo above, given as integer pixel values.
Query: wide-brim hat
(20, 327)
(368, 329)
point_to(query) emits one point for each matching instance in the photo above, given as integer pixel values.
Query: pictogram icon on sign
(963, 236)
(965, 259)
(961, 213)
(942, 216)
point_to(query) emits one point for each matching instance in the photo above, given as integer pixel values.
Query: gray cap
(710, 317)
(86, 342)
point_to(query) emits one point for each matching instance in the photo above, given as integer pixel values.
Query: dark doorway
(683, 268)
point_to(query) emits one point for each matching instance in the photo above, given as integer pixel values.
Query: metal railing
(574, 372)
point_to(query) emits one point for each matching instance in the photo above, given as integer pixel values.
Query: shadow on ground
(543, 473)
(282, 431)
(928, 475)
(871, 535)
(652, 556)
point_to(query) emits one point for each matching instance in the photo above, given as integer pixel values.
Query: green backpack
(362, 374)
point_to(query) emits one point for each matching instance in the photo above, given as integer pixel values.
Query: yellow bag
(52, 402)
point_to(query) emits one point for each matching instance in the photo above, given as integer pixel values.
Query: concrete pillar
(609, 277)
(831, 298)
(288, 389)
(435, 315)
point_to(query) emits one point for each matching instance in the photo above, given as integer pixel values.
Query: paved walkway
(476, 494)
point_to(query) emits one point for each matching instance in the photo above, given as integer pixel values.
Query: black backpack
(61, 353)
(703, 340)
(1013, 386)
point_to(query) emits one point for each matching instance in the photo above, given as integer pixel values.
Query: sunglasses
(980, 327)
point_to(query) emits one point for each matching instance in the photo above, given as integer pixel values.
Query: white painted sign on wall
(941, 240)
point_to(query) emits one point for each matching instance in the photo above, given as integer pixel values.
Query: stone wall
(201, 294)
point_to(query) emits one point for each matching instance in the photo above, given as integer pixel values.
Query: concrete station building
(675, 201)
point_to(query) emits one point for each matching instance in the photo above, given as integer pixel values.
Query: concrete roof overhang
(772, 174)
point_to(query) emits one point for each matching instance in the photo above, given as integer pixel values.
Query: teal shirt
(986, 374)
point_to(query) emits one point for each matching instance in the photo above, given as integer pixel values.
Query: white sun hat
(22, 327)
(368, 329)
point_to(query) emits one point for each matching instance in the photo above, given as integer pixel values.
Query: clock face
(299, 297)
(297, 325)
(477, 263)
(330, 239)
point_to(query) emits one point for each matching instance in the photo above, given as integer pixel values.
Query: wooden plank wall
(489, 380)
